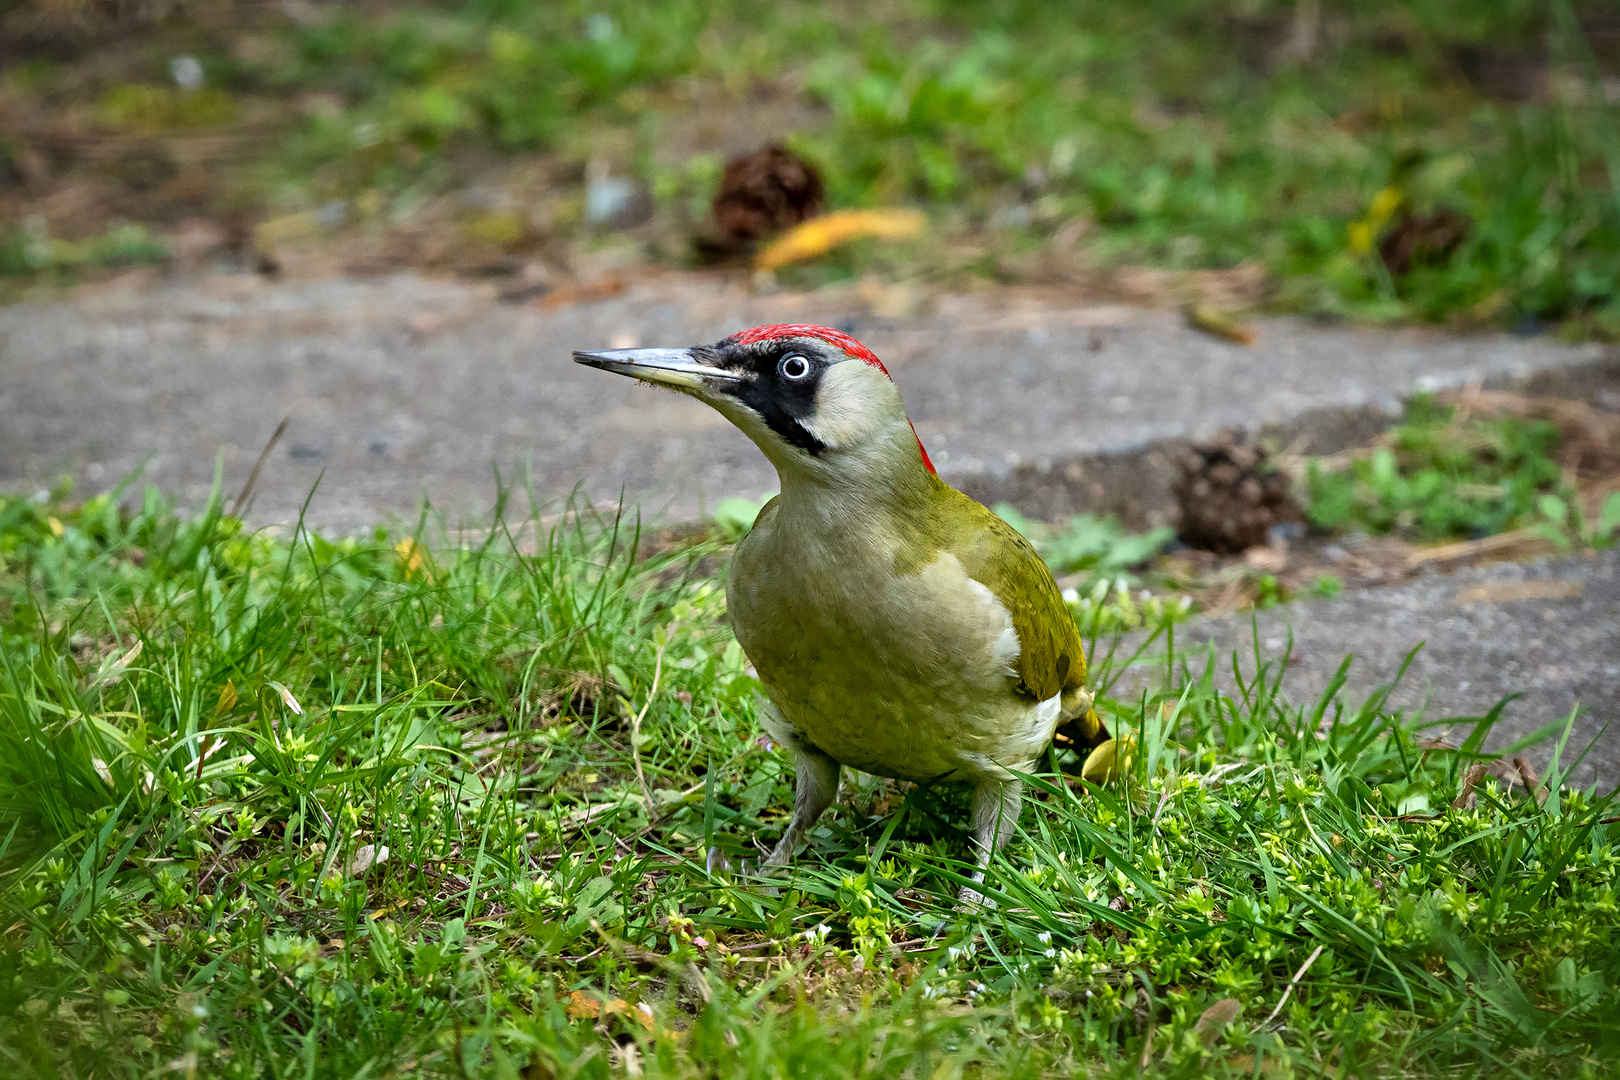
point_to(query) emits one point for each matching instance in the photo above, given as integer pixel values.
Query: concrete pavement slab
(1548, 631)
(402, 388)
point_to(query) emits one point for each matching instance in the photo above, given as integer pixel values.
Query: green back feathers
(1051, 659)
(933, 518)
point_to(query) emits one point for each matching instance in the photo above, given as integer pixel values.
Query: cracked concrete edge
(1541, 636)
(1133, 483)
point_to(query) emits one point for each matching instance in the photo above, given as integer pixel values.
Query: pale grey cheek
(841, 418)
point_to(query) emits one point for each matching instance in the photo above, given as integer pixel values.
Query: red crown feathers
(832, 337)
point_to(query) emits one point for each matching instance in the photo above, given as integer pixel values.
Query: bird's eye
(794, 366)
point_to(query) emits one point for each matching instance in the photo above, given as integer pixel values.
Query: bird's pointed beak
(667, 367)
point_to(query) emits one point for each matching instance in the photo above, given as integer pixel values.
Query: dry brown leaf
(1418, 238)
(582, 1006)
(588, 292)
(1529, 778)
(1216, 1017)
(539, 1068)
(1466, 798)
(1238, 287)
(765, 192)
(365, 857)
(1269, 559)
(820, 235)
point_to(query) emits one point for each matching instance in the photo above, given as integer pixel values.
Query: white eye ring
(794, 367)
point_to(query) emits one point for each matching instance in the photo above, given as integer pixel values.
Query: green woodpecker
(897, 626)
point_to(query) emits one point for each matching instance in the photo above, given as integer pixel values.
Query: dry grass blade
(635, 733)
(589, 292)
(1298, 975)
(1502, 592)
(1515, 545)
(253, 477)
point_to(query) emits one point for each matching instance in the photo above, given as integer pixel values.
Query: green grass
(1187, 134)
(1174, 127)
(201, 728)
(30, 249)
(1433, 477)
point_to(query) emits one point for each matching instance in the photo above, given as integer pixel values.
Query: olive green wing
(1051, 659)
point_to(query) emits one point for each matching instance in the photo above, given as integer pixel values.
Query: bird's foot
(718, 862)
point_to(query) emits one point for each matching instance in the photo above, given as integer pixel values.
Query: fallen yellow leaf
(1215, 322)
(821, 234)
(581, 1006)
(1109, 761)
(411, 556)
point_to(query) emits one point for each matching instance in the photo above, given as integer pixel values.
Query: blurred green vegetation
(288, 805)
(1089, 545)
(1438, 476)
(1189, 135)
(29, 248)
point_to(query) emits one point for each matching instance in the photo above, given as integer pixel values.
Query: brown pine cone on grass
(1231, 496)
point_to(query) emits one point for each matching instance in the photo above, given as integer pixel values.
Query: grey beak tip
(650, 364)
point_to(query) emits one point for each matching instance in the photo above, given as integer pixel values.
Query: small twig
(253, 477)
(1298, 975)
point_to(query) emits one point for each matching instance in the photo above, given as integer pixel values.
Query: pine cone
(762, 193)
(1230, 495)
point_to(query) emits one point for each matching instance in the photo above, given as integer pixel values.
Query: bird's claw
(718, 861)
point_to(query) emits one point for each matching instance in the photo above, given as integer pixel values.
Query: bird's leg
(995, 813)
(813, 790)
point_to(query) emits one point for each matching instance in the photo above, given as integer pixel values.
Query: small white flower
(187, 72)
